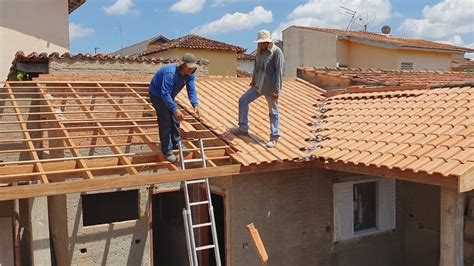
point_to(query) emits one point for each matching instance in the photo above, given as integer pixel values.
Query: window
(406, 66)
(103, 208)
(363, 208)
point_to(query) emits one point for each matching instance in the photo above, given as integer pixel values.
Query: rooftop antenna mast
(350, 12)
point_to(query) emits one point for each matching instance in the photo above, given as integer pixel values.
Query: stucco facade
(221, 63)
(45, 30)
(307, 47)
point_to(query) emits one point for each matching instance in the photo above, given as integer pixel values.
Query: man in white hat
(267, 81)
(164, 87)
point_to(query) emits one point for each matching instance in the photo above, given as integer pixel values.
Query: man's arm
(280, 69)
(252, 83)
(166, 89)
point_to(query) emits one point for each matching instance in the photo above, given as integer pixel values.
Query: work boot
(172, 158)
(239, 132)
(272, 143)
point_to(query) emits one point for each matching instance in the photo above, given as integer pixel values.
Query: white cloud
(78, 31)
(218, 3)
(120, 7)
(443, 21)
(236, 22)
(188, 6)
(326, 13)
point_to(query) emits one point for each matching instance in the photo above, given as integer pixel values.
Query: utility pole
(96, 49)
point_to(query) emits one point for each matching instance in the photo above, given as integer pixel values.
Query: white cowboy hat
(264, 36)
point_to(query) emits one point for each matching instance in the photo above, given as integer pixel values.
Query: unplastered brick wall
(113, 67)
(117, 243)
(293, 211)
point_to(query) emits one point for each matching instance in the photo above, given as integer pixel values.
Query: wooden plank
(394, 173)
(469, 250)
(466, 181)
(451, 227)
(469, 227)
(258, 243)
(97, 184)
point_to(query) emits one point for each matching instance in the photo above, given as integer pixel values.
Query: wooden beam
(258, 243)
(394, 173)
(97, 184)
(466, 181)
(451, 227)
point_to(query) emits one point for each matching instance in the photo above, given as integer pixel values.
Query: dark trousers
(167, 126)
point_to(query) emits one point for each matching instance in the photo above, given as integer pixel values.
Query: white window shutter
(343, 211)
(386, 209)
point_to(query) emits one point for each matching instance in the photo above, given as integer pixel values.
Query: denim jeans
(250, 96)
(167, 126)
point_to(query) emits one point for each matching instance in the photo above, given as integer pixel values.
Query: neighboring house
(33, 26)
(306, 46)
(245, 62)
(142, 46)
(222, 56)
(374, 176)
(341, 78)
(66, 64)
(466, 65)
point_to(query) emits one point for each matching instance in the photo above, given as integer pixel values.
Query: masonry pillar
(451, 227)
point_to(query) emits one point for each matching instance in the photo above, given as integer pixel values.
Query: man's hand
(275, 97)
(178, 115)
(197, 111)
(252, 83)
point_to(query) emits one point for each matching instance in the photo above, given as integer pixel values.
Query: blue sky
(97, 22)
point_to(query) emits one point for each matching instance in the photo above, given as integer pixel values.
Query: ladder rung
(199, 203)
(202, 225)
(196, 181)
(205, 247)
(193, 161)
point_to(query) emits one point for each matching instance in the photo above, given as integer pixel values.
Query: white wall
(32, 26)
(306, 47)
(245, 65)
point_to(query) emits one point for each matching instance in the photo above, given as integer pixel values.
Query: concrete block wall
(120, 243)
(114, 68)
(293, 210)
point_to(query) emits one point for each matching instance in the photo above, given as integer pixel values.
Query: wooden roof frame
(57, 132)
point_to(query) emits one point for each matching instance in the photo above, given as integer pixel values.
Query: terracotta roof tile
(382, 77)
(194, 42)
(428, 130)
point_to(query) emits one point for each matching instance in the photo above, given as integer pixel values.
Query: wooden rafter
(86, 131)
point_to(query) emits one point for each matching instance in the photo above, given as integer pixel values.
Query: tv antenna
(362, 21)
(351, 13)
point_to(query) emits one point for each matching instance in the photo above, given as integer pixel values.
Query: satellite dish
(362, 21)
(386, 29)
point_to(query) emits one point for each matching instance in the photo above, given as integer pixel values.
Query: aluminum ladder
(189, 226)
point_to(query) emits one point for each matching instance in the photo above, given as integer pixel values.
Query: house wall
(423, 60)
(245, 65)
(367, 56)
(305, 47)
(220, 63)
(119, 243)
(66, 66)
(46, 29)
(293, 211)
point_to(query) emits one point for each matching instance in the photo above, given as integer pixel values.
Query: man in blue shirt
(164, 87)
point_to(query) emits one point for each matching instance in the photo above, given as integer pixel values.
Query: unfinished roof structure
(63, 136)
(89, 130)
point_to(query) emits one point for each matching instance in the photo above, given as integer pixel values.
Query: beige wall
(343, 48)
(423, 60)
(305, 47)
(220, 63)
(366, 56)
(32, 26)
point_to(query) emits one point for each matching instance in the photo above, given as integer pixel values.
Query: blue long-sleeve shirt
(168, 82)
